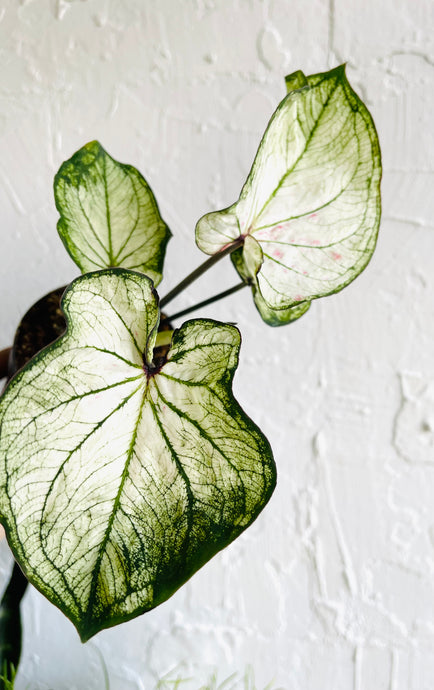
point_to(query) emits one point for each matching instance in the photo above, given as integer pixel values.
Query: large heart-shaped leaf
(108, 214)
(120, 476)
(310, 207)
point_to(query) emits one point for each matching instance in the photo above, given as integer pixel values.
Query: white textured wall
(333, 587)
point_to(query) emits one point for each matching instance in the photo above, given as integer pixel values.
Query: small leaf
(311, 201)
(108, 214)
(119, 478)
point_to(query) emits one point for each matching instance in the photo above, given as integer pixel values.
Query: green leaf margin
(75, 173)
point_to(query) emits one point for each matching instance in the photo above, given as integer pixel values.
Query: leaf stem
(163, 337)
(205, 302)
(200, 270)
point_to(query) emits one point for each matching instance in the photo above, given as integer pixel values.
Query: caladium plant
(125, 461)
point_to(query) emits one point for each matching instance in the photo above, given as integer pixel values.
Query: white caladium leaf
(311, 201)
(120, 476)
(108, 214)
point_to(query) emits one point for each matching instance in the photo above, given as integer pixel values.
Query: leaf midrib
(307, 213)
(107, 206)
(101, 551)
(289, 171)
(202, 431)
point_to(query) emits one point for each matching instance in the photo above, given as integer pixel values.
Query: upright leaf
(108, 214)
(120, 477)
(311, 202)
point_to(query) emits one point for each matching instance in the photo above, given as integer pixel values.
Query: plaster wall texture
(333, 587)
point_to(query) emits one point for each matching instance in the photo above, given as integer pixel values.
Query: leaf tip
(93, 145)
(84, 634)
(340, 73)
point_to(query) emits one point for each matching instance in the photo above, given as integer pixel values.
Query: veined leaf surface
(108, 214)
(311, 202)
(120, 477)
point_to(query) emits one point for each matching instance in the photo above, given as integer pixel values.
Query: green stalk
(163, 337)
(205, 302)
(200, 270)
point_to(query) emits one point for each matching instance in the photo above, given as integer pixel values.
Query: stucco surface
(333, 587)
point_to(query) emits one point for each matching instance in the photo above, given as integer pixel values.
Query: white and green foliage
(108, 214)
(309, 211)
(122, 478)
(125, 467)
